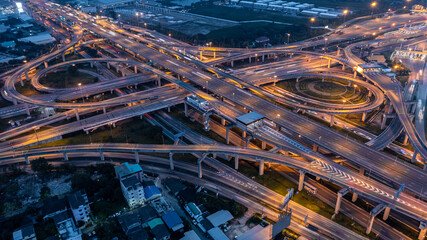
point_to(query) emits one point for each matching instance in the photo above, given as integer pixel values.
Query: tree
(44, 192)
(72, 70)
(40, 165)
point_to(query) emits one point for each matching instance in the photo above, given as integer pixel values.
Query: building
(368, 67)
(39, 39)
(79, 205)
(133, 191)
(125, 170)
(194, 211)
(8, 44)
(250, 120)
(66, 227)
(25, 233)
(173, 221)
(220, 218)
(104, 4)
(190, 235)
(158, 229)
(146, 214)
(130, 222)
(53, 206)
(217, 234)
(151, 192)
(174, 185)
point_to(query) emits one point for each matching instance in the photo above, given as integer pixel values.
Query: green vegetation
(66, 79)
(278, 183)
(41, 165)
(45, 229)
(214, 204)
(140, 131)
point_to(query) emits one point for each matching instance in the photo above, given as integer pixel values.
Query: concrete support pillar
(354, 198)
(159, 81)
(247, 141)
(63, 57)
(123, 72)
(355, 74)
(263, 145)
(169, 109)
(101, 155)
(386, 213)
(243, 134)
(232, 63)
(414, 156)
(315, 147)
(338, 204)
(46, 65)
(332, 121)
(214, 54)
(405, 139)
(263, 58)
(383, 122)
(27, 109)
(136, 157)
(236, 162)
(222, 121)
(250, 59)
(329, 63)
(227, 135)
(104, 110)
(14, 101)
(91, 64)
(343, 67)
(77, 114)
(423, 230)
(186, 109)
(369, 94)
(27, 76)
(45, 113)
(201, 55)
(135, 69)
(364, 114)
(261, 167)
(171, 161)
(301, 180)
(370, 223)
(108, 65)
(27, 161)
(65, 156)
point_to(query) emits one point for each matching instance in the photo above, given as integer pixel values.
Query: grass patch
(67, 79)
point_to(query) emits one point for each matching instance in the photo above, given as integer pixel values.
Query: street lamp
(344, 13)
(312, 20)
(81, 91)
(373, 5)
(289, 35)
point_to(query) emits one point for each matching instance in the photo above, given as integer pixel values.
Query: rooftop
(126, 169)
(174, 185)
(155, 222)
(220, 217)
(54, 204)
(217, 234)
(172, 220)
(76, 199)
(250, 118)
(151, 191)
(25, 232)
(190, 235)
(146, 213)
(131, 182)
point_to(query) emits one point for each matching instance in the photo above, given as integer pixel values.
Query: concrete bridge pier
(340, 194)
(46, 65)
(171, 161)
(386, 213)
(329, 63)
(250, 59)
(236, 162)
(247, 140)
(27, 161)
(63, 57)
(27, 109)
(244, 134)
(27, 77)
(91, 64)
(186, 109)
(261, 167)
(374, 212)
(159, 81)
(14, 101)
(405, 139)
(332, 121)
(101, 155)
(355, 74)
(199, 164)
(136, 157)
(414, 156)
(108, 65)
(201, 55)
(423, 230)
(222, 121)
(65, 156)
(263, 58)
(232, 63)
(364, 114)
(135, 69)
(77, 114)
(123, 71)
(315, 147)
(263, 145)
(301, 180)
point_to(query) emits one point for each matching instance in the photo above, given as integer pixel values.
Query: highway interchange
(231, 93)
